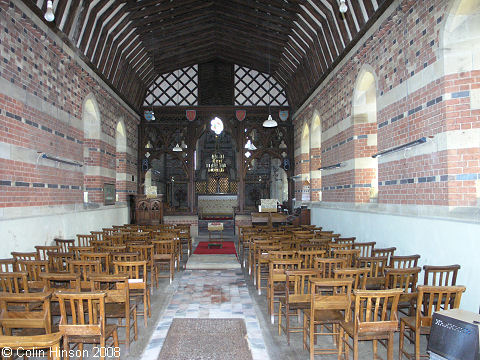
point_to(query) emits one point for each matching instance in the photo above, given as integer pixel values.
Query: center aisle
(214, 294)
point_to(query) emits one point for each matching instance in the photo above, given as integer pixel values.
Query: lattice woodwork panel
(233, 187)
(201, 187)
(254, 88)
(179, 87)
(223, 185)
(227, 187)
(212, 185)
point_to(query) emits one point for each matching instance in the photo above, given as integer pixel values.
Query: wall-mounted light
(401, 147)
(336, 166)
(183, 145)
(249, 145)
(343, 6)
(49, 15)
(149, 145)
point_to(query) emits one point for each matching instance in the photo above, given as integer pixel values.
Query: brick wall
(42, 94)
(414, 99)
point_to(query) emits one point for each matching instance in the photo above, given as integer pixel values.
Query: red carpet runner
(227, 248)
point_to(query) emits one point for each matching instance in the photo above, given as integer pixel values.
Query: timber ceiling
(131, 42)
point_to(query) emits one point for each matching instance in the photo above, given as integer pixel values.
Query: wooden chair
(98, 244)
(87, 322)
(332, 247)
(372, 320)
(365, 248)
(276, 281)
(146, 253)
(401, 262)
(21, 311)
(185, 238)
(60, 281)
(376, 264)
(328, 265)
(64, 244)
(25, 255)
(8, 265)
(261, 260)
(78, 250)
(440, 275)
(98, 235)
(297, 297)
(103, 257)
(330, 303)
(14, 282)
(137, 282)
(357, 275)
(84, 240)
(109, 231)
(85, 268)
(117, 302)
(405, 279)
(58, 261)
(257, 238)
(50, 342)
(350, 256)
(43, 250)
(34, 268)
(125, 256)
(388, 252)
(117, 239)
(429, 300)
(113, 248)
(349, 240)
(308, 257)
(163, 258)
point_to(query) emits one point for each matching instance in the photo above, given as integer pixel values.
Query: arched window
(365, 112)
(121, 161)
(305, 166)
(461, 37)
(91, 118)
(315, 160)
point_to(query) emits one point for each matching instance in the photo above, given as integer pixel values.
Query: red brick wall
(404, 45)
(40, 70)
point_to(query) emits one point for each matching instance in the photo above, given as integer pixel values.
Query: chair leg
(135, 326)
(417, 344)
(401, 340)
(340, 344)
(375, 348)
(355, 347)
(287, 322)
(102, 347)
(127, 330)
(390, 346)
(279, 318)
(115, 343)
(66, 347)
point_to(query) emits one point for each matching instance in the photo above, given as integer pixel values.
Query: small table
(215, 241)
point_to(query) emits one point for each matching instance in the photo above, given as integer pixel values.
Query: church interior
(241, 179)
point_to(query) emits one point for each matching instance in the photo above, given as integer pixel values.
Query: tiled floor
(209, 294)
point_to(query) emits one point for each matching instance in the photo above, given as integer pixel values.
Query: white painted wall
(438, 241)
(23, 233)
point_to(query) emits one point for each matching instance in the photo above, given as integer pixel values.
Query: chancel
(239, 179)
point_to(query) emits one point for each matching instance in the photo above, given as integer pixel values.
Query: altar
(219, 206)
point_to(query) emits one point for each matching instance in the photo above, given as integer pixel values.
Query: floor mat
(228, 247)
(212, 339)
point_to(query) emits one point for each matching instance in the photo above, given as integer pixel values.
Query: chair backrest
(98, 235)
(332, 247)
(331, 294)
(277, 268)
(87, 313)
(64, 244)
(365, 248)
(434, 298)
(440, 275)
(84, 240)
(405, 279)
(43, 250)
(8, 265)
(298, 286)
(116, 239)
(283, 254)
(109, 231)
(376, 310)
(14, 282)
(125, 256)
(135, 270)
(349, 240)
(308, 257)
(350, 256)
(113, 248)
(25, 255)
(163, 247)
(77, 250)
(388, 252)
(376, 264)
(97, 244)
(34, 268)
(405, 261)
(328, 265)
(358, 275)
(115, 287)
(85, 268)
(58, 261)
(103, 257)
(145, 252)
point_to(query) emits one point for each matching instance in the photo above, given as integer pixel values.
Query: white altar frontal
(216, 205)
